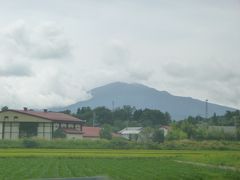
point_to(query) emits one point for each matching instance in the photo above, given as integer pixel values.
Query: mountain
(142, 97)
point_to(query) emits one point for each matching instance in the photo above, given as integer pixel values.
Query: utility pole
(206, 109)
(94, 117)
(112, 110)
(113, 104)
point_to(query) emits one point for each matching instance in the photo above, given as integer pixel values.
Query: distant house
(92, 133)
(165, 129)
(15, 124)
(130, 133)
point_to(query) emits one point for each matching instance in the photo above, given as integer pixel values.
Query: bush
(176, 134)
(30, 143)
(106, 132)
(158, 136)
(119, 143)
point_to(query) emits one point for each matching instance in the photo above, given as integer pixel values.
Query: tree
(106, 132)
(154, 118)
(189, 127)
(146, 134)
(103, 115)
(66, 111)
(4, 108)
(85, 113)
(176, 134)
(237, 124)
(158, 136)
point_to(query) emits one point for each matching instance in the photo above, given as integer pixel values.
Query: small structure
(15, 124)
(165, 129)
(130, 133)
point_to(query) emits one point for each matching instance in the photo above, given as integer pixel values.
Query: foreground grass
(117, 164)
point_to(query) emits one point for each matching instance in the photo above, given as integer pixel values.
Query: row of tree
(122, 117)
(199, 128)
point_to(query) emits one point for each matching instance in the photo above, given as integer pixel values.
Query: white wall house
(165, 129)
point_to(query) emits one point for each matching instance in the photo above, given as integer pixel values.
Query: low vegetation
(118, 164)
(119, 143)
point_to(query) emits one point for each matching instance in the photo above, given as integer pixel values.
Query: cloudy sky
(53, 52)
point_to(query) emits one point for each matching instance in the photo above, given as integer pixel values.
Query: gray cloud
(15, 70)
(216, 80)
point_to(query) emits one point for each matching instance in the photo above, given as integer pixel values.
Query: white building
(131, 133)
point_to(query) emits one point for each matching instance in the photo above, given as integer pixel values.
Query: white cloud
(45, 41)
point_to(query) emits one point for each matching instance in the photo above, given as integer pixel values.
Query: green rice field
(18, 164)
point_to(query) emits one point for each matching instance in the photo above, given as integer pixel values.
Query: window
(5, 118)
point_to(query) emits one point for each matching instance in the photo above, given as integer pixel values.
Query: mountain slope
(142, 96)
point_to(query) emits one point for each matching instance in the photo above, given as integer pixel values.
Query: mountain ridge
(142, 97)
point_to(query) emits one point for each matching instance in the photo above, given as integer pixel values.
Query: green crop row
(229, 158)
(116, 169)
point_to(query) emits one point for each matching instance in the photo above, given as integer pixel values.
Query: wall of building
(11, 130)
(44, 130)
(74, 136)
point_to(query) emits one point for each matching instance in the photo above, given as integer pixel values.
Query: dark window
(28, 129)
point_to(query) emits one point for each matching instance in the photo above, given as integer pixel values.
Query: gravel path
(209, 165)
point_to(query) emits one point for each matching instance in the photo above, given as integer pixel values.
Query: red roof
(91, 131)
(53, 116)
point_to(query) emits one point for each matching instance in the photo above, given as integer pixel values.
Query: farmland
(119, 164)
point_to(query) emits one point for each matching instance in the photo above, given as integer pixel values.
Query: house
(92, 133)
(130, 133)
(15, 124)
(165, 129)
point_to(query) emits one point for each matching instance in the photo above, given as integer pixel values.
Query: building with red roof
(15, 124)
(91, 132)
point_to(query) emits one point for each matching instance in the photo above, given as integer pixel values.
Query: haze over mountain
(140, 96)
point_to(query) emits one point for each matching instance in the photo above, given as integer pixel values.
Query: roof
(131, 130)
(53, 116)
(165, 127)
(91, 131)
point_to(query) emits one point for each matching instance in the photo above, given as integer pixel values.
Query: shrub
(119, 143)
(30, 143)
(176, 134)
(59, 133)
(158, 136)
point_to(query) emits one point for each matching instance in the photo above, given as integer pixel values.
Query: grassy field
(119, 164)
